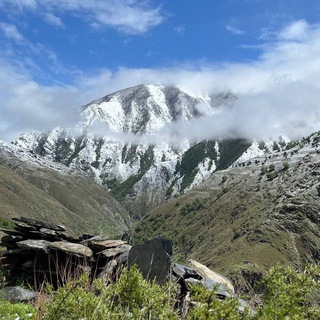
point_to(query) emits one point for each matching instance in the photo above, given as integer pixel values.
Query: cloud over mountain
(279, 92)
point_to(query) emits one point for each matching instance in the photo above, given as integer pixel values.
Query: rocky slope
(117, 144)
(249, 216)
(37, 188)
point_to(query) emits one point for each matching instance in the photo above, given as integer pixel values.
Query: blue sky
(56, 55)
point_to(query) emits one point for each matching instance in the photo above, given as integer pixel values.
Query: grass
(77, 202)
(237, 224)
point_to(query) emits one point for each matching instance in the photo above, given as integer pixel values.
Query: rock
(33, 244)
(123, 257)
(220, 289)
(112, 252)
(11, 232)
(10, 252)
(206, 273)
(40, 224)
(9, 241)
(49, 232)
(17, 294)
(243, 305)
(71, 248)
(107, 271)
(181, 271)
(84, 240)
(23, 227)
(153, 258)
(102, 245)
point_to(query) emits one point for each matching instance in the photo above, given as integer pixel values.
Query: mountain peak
(141, 109)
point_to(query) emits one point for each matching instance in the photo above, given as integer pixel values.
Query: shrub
(13, 311)
(210, 307)
(263, 170)
(224, 179)
(290, 294)
(131, 298)
(272, 175)
(136, 298)
(73, 301)
(287, 294)
(195, 205)
(271, 167)
(285, 166)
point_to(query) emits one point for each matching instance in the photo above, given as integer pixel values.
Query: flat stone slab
(97, 246)
(11, 232)
(21, 226)
(206, 273)
(71, 248)
(184, 272)
(112, 252)
(40, 224)
(34, 244)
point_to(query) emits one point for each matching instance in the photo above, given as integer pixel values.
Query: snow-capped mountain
(113, 144)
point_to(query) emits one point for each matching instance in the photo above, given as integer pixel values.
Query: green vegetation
(286, 294)
(79, 143)
(40, 145)
(272, 175)
(195, 205)
(275, 147)
(188, 167)
(121, 190)
(131, 297)
(290, 294)
(286, 166)
(211, 308)
(230, 151)
(263, 170)
(271, 168)
(14, 311)
(6, 223)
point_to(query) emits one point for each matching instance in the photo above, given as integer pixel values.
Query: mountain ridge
(139, 173)
(244, 219)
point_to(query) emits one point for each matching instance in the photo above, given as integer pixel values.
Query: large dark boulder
(153, 258)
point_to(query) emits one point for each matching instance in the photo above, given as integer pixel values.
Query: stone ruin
(38, 252)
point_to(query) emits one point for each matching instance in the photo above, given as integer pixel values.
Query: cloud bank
(127, 16)
(279, 93)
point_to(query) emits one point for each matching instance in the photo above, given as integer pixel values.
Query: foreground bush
(14, 311)
(131, 298)
(288, 294)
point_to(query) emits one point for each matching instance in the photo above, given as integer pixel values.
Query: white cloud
(11, 32)
(234, 30)
(180, 29)
(127, 16)
(279, 93)
(295, 31)
(53, 20)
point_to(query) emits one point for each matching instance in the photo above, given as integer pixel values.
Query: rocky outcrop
(39, 251)
(153, 258)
